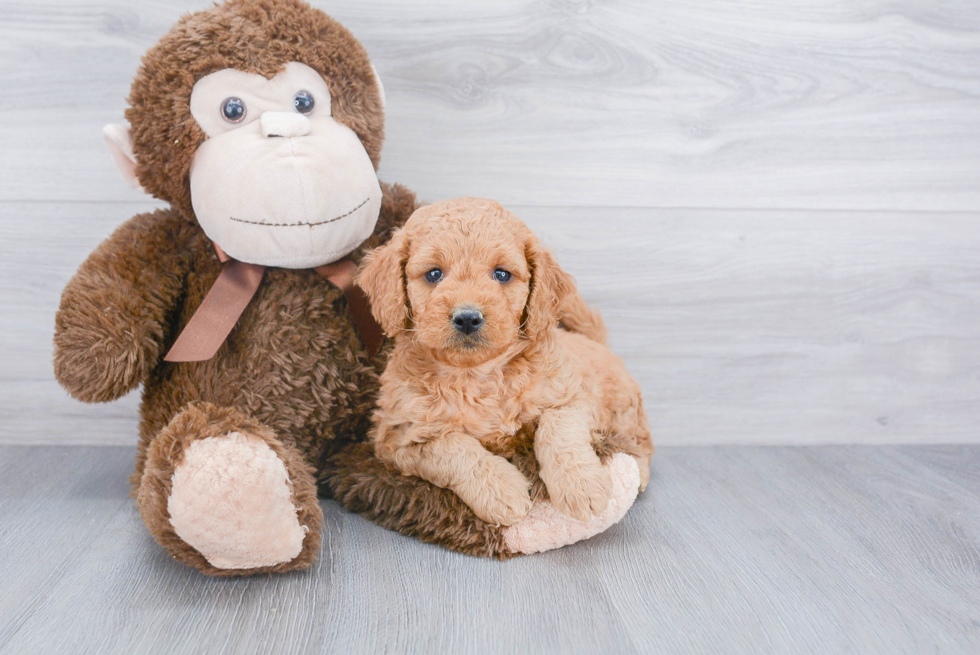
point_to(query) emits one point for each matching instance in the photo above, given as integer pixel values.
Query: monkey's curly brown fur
(294, 364)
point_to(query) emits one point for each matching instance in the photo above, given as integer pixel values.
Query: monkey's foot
(231, 501)
(545, 528)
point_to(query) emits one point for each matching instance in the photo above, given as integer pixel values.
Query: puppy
(472, 300)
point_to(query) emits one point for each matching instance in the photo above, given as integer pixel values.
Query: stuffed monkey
(260, 122)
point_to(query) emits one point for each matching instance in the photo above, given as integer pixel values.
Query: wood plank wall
(776, 203)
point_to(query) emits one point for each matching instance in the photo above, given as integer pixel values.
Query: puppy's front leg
(577, 482)
(493, 487)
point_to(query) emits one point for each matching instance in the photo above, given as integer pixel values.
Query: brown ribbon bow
(234, 289)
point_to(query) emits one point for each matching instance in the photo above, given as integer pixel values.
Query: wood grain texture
(741, 326)
(873, 104)
(763, 327)
(735, 550)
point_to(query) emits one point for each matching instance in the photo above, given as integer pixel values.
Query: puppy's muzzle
(468, 321)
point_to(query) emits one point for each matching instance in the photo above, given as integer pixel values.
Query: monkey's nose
(284, 123)
(468, 321)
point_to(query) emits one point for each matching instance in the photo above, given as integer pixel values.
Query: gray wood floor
(731, 550)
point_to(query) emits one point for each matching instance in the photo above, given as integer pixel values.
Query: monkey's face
(278, 181)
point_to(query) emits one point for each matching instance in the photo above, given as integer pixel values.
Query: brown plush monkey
(260, 122)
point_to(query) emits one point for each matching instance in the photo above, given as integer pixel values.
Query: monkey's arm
(115, 312)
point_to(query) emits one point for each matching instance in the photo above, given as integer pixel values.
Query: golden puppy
(473, 299)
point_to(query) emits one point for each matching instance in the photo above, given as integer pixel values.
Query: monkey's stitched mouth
(329, 220)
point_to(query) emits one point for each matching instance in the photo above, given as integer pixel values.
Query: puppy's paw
(506, 509)
(501, 497)
(582, 492)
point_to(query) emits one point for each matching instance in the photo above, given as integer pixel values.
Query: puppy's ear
(550, 286)
(382, 276)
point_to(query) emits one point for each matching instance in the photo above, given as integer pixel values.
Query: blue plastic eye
(434, 275)
(303, 102)
(500, 275)
(233, 110)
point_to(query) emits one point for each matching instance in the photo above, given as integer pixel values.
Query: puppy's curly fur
(454, 394)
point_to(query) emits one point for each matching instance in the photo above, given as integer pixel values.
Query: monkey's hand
(114, 313)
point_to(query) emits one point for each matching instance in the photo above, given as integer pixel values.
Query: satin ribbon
(233, 291)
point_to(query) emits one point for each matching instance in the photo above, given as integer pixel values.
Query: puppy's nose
(468, 321)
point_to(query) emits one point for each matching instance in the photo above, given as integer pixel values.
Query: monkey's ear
(382, 276)
(119, 139)
(381, 87)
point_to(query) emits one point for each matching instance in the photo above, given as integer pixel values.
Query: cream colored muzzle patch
(275, 186)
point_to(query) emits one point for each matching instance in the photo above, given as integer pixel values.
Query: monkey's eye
(434, 275)
(500, 275)
(233, 110)
(303, 102)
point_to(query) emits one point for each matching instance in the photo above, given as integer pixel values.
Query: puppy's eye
(500, 275)
(434, 275)
(303, 102)
(233, 110)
